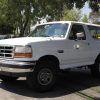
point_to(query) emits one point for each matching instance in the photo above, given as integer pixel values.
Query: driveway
(78, 84)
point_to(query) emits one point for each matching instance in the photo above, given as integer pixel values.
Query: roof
(70, 23)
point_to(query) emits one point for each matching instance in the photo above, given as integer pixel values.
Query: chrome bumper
(16, 67)
(15, 70)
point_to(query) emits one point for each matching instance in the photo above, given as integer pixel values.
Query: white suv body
(68, 50)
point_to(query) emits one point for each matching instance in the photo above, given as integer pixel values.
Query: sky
(86, 9)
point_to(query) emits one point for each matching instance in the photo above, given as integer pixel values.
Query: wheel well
(98, 57)
(51, 58)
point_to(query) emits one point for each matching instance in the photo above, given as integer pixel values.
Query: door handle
(77, 46)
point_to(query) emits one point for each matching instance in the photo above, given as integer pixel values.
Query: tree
(3, 11)
(22, 13)
(6, 27)
(85, 19)
(72, 15)
(94, 5)
(54, 8)
(94, 17)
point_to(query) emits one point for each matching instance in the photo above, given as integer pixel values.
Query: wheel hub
(45, 76)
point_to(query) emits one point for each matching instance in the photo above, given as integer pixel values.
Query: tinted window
(76, 29)
(94, 31)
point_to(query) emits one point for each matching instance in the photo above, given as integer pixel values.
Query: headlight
(23, 51)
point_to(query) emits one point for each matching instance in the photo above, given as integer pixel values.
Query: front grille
(6, 51)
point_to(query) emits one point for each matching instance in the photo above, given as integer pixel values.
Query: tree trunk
(25, 23)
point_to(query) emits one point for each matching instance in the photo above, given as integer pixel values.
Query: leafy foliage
(6, 29)
(85, 19)
(20, 14)
(3, 11)
(94, 5)
(72, 15)
(95, 17)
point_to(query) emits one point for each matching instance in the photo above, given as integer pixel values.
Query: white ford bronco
(49, 48)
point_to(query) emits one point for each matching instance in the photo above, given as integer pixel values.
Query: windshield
(50, 30)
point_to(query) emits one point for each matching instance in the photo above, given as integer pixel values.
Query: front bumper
(16, 68)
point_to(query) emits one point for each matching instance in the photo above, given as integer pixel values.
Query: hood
(23, 40)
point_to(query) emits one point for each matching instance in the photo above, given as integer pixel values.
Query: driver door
(78, 52)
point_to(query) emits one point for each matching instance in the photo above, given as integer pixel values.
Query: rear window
(94, 31)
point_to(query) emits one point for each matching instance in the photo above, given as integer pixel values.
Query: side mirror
(80, 35)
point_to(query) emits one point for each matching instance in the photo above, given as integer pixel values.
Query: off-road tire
(45, 69)
(95, 69)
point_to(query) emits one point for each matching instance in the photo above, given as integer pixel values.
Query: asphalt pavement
(77, 84)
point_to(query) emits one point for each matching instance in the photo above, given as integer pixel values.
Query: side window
(94, 31)
(76, 29)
